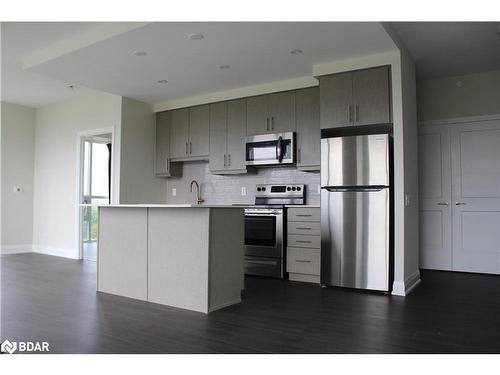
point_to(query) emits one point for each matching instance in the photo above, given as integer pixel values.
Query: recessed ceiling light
(296, 51)
(224, 67)
(163, 81)
(71, 86)
(140, 53)
(196, 36)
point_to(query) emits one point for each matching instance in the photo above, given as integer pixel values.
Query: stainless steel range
(265, 229)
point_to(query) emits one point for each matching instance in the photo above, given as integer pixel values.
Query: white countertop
(302, 206)
(151, 205)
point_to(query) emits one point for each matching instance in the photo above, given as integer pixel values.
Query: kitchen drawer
(304, 261)
(300, 240)
(304, 214)
(310, 228)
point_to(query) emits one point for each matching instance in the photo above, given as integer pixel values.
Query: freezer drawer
(258, 266)
(355, 160)
(355, 239)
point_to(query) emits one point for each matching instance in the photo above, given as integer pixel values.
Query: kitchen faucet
(198, 195)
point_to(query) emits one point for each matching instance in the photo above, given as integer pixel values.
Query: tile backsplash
(226, 189)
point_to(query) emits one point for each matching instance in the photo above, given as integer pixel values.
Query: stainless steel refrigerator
(355, 211)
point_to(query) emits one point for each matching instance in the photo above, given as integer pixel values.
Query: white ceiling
(256, 52)
(26, 87)
(451, 48)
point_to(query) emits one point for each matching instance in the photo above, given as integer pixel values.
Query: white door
(476, 196)
(435, 198)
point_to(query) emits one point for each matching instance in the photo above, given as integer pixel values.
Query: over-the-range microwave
(270, 149)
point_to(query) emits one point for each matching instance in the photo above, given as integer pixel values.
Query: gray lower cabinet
(308, 130)
(273, 113)
(189, 129)
(227, 137)
(163, 165)
(354, 98)
(303, 244)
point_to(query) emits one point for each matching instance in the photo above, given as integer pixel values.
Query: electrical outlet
(319, 189)
(407, 200)
(243, 191)
(174, 192)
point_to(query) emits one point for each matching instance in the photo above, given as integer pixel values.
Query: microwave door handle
(279, 149)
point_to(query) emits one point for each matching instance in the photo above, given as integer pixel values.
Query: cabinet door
(179, 130)
(162, 143)
(258, 121)
(435, 198)
(218, 136)
(199, 125)
(371, 96)
(282, 112)
(236, 130)
(308, 132)
(336, 100)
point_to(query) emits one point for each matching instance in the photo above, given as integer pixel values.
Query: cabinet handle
(349, 113)
(190, 147)
(303, 228)
(298, 155)
(460, 203)
(356, 114)
(272, 123)
(228, 160)
(442, 203)
(302, 261)
(167, 165)
(303, 215)
(301, 241)
(224, 160)
(186, 148)
(267, 124)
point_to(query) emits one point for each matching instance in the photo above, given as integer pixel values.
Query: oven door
(263, 233)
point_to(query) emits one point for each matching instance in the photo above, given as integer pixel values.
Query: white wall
(476, 94)
(138, 183)
(55, 172)
(18, 133)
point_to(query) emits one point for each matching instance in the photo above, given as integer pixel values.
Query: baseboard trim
(222, 305)
(16, 249)
(400, 288)
(56, 251)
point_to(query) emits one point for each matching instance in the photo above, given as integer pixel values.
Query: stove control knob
(259, 189)
(293, 188)
(263, 188)
(288, 188)
(298, 188)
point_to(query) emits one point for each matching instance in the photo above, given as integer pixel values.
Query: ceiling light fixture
(163, 81)
(196, 36)
(140, 53)
(296, 51)
(224, 67)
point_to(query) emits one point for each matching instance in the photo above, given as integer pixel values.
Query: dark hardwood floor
(54, 299)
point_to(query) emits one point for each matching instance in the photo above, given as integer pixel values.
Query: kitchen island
(186, 256)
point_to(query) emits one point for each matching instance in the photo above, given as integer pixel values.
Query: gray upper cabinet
(163, 166)
(308, 130)
(371, 96)
(189, 128)
(199, 120)
(273, 113)
(355, 98)
(336, 100)
(179, 133)
(227, 137)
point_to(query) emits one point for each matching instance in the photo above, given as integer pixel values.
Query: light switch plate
(174, 192)
(243, 191)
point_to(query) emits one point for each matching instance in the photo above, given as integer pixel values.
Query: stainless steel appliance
(355, 211)
(270, 149)
(265, 229)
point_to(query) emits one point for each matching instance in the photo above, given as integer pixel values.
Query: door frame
(82, 136)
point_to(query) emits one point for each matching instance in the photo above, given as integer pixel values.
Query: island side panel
(122, 252)
(227, 249)
(178, 257)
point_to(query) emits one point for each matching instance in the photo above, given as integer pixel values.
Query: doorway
(95, 188)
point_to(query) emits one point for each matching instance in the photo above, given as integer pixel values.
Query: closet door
(435, 198)
(476, 196)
